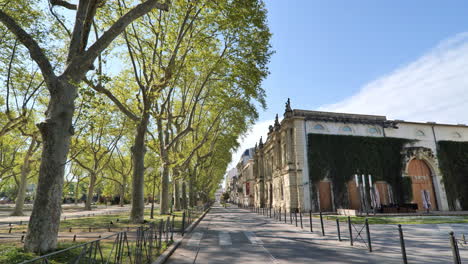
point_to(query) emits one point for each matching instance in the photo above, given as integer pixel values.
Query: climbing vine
(340, 157)
(453, 163)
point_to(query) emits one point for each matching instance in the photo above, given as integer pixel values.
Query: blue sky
(403, 59)
(327, 50)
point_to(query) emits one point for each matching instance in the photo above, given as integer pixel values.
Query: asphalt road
(233, 235)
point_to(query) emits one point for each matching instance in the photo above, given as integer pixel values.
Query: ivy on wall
(340, 157)
(453, 163)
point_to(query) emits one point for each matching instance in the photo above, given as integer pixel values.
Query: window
(373, 130)
(347, 129)
(319, 127)
(419, 133)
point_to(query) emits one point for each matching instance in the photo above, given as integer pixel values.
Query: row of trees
(140, 97)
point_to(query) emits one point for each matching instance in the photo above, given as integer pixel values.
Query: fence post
(455, 252)
(338, 229)
(168, 222)
(290, 216)
(350, 231)
(300, 216)
(285, 216)
(402, 243)
(310, 221)
(183, 223)
(321, 224)
(368, 235)
(160, 233)
(279, 214)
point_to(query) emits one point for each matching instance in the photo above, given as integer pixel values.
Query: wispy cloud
(432, 88)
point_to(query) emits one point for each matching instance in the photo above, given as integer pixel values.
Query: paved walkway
(5, 218)
(233, 235)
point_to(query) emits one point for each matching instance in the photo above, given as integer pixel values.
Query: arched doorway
(423, 188)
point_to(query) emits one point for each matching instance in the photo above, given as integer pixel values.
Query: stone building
(245, 180)
(295, 169)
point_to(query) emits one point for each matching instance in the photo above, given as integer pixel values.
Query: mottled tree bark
(164, 193)
(138, 180)
(25, 170)
(176, 193)
(89, 197)
(184, 196)
(56, 131)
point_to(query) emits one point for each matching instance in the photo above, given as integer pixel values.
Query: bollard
(183, 223)
(455, 251)
(270, 212)
(402, 244)
(321, 224)
(69, 230)
(368, 236)
(338, 229)
(285, 215)
(290, 217)
(9, 231)
(22, 238)
(279, 214)
(350, 231)
(295, 216)
(310, 221)
(464, 239)
(300, 216)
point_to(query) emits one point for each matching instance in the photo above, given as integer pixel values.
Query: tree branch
(63, 4)
(82, 63)
(34, 50)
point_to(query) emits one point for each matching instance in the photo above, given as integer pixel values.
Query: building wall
(282, 159)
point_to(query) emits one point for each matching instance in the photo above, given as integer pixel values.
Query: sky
(403, 59)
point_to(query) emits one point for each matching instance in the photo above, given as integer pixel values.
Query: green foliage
(453, 162)
(340, 157)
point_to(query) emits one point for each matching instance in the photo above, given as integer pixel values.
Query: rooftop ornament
(288, 109)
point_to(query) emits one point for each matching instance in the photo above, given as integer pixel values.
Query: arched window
(319, 127)
(420, 133)
(373, 130)
(347, 129)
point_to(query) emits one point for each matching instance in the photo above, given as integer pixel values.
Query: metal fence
(139, 245)
(355, 234)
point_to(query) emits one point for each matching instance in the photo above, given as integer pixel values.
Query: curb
(168, 252)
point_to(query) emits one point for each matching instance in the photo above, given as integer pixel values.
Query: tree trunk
(77, 189)
(56, 131)
(138, 181)
(164, 200)
(176, 195)
(25, 169)
(122, 195)
(89, 198)
(184, 196)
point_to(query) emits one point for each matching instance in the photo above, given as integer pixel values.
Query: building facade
(285, 178)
